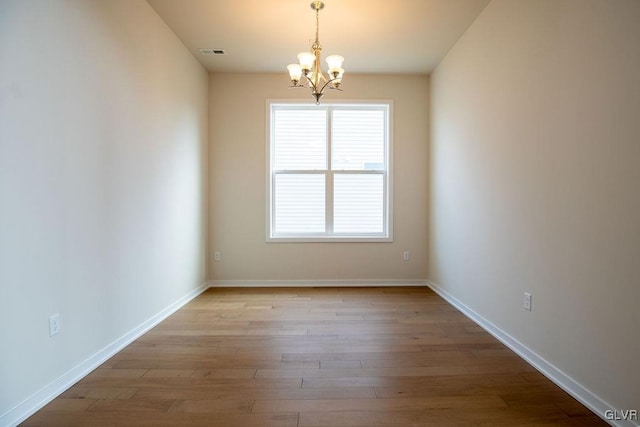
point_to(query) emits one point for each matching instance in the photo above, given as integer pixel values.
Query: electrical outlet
(527, 301)
(54, 324)
(405, 256)
(216, 256)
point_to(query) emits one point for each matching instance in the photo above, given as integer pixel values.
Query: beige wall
(237, 138)
(536, 182)
(103, 139)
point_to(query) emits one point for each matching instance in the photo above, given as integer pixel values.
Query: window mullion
(329, 202)
(329, 179)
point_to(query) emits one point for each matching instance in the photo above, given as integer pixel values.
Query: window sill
(329, 239)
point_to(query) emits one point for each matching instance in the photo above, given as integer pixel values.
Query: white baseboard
(313, 283)
(45, 395)
(568, 384)
(25, 409)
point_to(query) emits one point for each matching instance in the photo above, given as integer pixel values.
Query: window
(329, 172)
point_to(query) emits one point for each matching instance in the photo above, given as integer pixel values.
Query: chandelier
(309, 67)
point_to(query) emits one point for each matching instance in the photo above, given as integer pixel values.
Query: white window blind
(358, 203)
(358, 140)
(299, 204)
(329, 172)
(300, 147)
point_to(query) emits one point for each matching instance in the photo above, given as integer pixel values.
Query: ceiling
(374, 36)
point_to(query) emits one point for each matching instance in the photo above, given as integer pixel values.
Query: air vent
(209, 52)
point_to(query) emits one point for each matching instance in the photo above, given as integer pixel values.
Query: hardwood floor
(316, 357)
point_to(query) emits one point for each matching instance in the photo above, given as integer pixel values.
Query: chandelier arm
(313, 85)
(325, 85)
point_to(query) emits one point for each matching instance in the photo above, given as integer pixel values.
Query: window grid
(330, 177)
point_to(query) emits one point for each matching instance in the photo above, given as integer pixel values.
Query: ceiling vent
(209, 52)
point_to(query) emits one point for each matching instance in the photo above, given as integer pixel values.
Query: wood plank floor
(315, 357)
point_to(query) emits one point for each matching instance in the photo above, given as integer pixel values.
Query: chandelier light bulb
(306, 60)
(334, 62)
(295, 72)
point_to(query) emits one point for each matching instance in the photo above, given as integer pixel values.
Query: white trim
(385, 105)
(564, 381)
(332, 283)
(29, 406)
(387, 176)
(328, 239)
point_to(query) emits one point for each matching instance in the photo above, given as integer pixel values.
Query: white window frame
(328, 235)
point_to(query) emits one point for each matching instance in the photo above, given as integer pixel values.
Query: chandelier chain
(317, 26)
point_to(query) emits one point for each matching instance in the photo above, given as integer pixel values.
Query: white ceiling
(374, 36)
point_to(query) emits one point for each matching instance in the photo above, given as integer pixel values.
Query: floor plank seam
(366, 357)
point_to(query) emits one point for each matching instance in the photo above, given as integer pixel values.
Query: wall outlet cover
(527, 301)
(54, 324)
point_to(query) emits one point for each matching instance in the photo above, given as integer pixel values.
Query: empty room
(319, 213)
